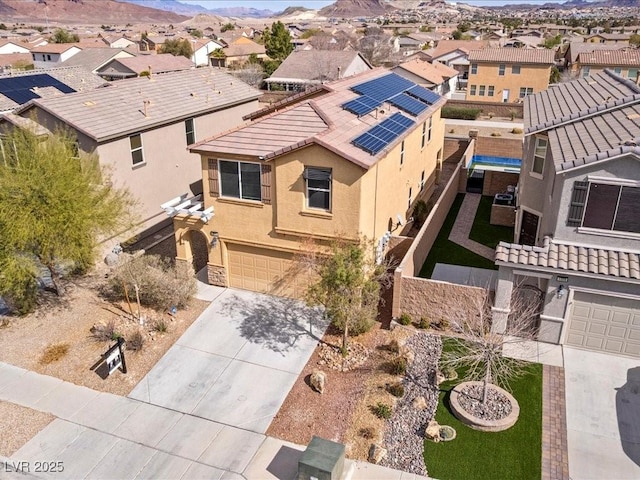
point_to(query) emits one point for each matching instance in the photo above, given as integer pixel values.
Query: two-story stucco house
(508, 74)
(344, 161)
(53, 54)
(141, 128)
(578, 226)
(625, 62)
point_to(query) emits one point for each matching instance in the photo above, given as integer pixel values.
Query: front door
(528, 228)
(505, 95)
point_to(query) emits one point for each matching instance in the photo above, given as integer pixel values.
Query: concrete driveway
(236, 364)
(603, 415)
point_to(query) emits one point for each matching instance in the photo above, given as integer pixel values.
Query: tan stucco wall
(531, 76)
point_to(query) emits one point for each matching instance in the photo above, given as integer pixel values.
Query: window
(240, 180)
(501, 68)
(402, 153)
(409, 202)
(482, 89)
(633, 74)
(137, 156)
(422, 180)
(190, 131)
(424, 133)
(318, 184)
(586, 71)
(491, 90)
(540, 152)
(608, 207)
(33, 55)
(472, 90)
(515, 69)
(618, 70)
(429, 130)
(474, 68)
(524, 91)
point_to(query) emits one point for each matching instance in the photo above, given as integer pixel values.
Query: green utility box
(322, 460)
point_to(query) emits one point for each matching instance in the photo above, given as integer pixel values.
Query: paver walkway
(462, 227)
(555, 457)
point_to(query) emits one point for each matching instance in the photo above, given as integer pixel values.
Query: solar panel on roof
(402, 120)
(424, 94)
(369, 143)
(408, 104)
(383, 88)
(24, 88)
(381, 135)
(361, 105)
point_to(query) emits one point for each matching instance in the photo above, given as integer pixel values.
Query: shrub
(396, 389)
(513, 114)
(160, 284)
(105, 332)
(420, 212)
(53, 353)
(462, 113)
(449, 373)
(490, 114)
(393, 346)
(367, 433)
(444, 323)
(517, 130)
(496, 134)
(405, 319)
(160, 325)
(453, 130)
(397, 366)
(424, 323)
(382, 410)
(135, 341)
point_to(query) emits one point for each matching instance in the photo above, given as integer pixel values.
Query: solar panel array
(20, 89)
(361, 105)
(381, 135)
(423, 94)
(384, 88)
(409, 104)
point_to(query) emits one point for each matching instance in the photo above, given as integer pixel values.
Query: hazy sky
(278, 5)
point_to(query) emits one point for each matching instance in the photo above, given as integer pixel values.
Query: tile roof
(611, 36)
(319, 65)
(543, 56)
(448, 46)
(331, 126)
(53, 48)
(611, 58)
(93, 58)
(159, 63)
(117, 109)
(576, 48)
(580, 259)
(434, 73)
(243, 46)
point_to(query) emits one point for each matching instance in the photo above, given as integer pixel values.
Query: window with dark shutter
(602, 201)
(578, 201)
(318, 183)
(214, 186)
(265, 182)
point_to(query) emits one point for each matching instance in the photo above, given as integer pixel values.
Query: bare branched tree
(479, 350)
(375, 46)
(250, 73)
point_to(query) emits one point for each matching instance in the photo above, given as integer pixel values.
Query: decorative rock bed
(332, 357)
(404, 434)
(499, 412)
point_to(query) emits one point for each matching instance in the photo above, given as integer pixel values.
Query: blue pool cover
(497, 161)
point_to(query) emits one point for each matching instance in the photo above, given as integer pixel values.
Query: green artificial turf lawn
(445, 251)
(485, 233)
(512, 454)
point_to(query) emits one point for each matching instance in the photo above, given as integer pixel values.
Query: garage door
(263, 270)
(604, 323)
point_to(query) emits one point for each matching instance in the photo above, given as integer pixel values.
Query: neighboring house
(313, 170)
(118, 41)
(202, 49)
(523, 41)
(52, 54)
(151, 43)
(624, 62)
(238, 52)
(455, 54)
(305, 68)
(435, 76)
(8, 47)
(131, 67)
(575, 49)
(95, 58)
(17, 88)
(141, 128)
(577, 224)
(508, 74)
(622, 38)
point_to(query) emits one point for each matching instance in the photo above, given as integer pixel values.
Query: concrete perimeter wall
(497, 108)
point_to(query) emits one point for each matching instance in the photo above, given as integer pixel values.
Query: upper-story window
(190, 131)
(482, 90)
(240, 180)
(318, 187)
(137, 155)
(539, 154)
(524, 91)
(472, 89)
(49, 57)
(633, 74)
(605, 207)
(474, 68)
(586, 71)
(424, 133)
(491, 90)
(501, 69)
(402, 153)
(515, 69)
(618, 70)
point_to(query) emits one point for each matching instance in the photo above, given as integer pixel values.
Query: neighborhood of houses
(337, 146)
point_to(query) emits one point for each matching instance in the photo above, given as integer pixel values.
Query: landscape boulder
(432, 432)
(318, 381)
(376, 453)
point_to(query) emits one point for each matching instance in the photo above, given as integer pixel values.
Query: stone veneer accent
(217, 275)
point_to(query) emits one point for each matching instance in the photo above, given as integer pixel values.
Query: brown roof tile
(611, 58)
(541, 56)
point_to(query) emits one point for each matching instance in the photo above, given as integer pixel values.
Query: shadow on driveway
(276, 323)
(628, 412)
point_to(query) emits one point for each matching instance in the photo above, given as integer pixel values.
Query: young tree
(227, 26)
(63, 36)
(250, 73)
(53, 207)
(348, 286)
(375, 46)
(479, 350)
(178, 47)
(277, 41)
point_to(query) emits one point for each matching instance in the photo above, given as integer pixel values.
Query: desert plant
(449, 373)
(490, 114)
(396, 389)
(512, 115)
(136, 341)
(105, 332)
(424, 323)
(54, 353)
(462, 113)
(517, 130)
(496, 134)
(382, 410)
(453, 130)
(405, 319)
(160, 325)
(393, 346)
(420, 212)
(367, 432)
(397, 366)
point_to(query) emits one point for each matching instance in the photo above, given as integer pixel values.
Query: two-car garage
(604, 323)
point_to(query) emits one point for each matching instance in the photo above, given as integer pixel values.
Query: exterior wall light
(561, 291)
(214, 239)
